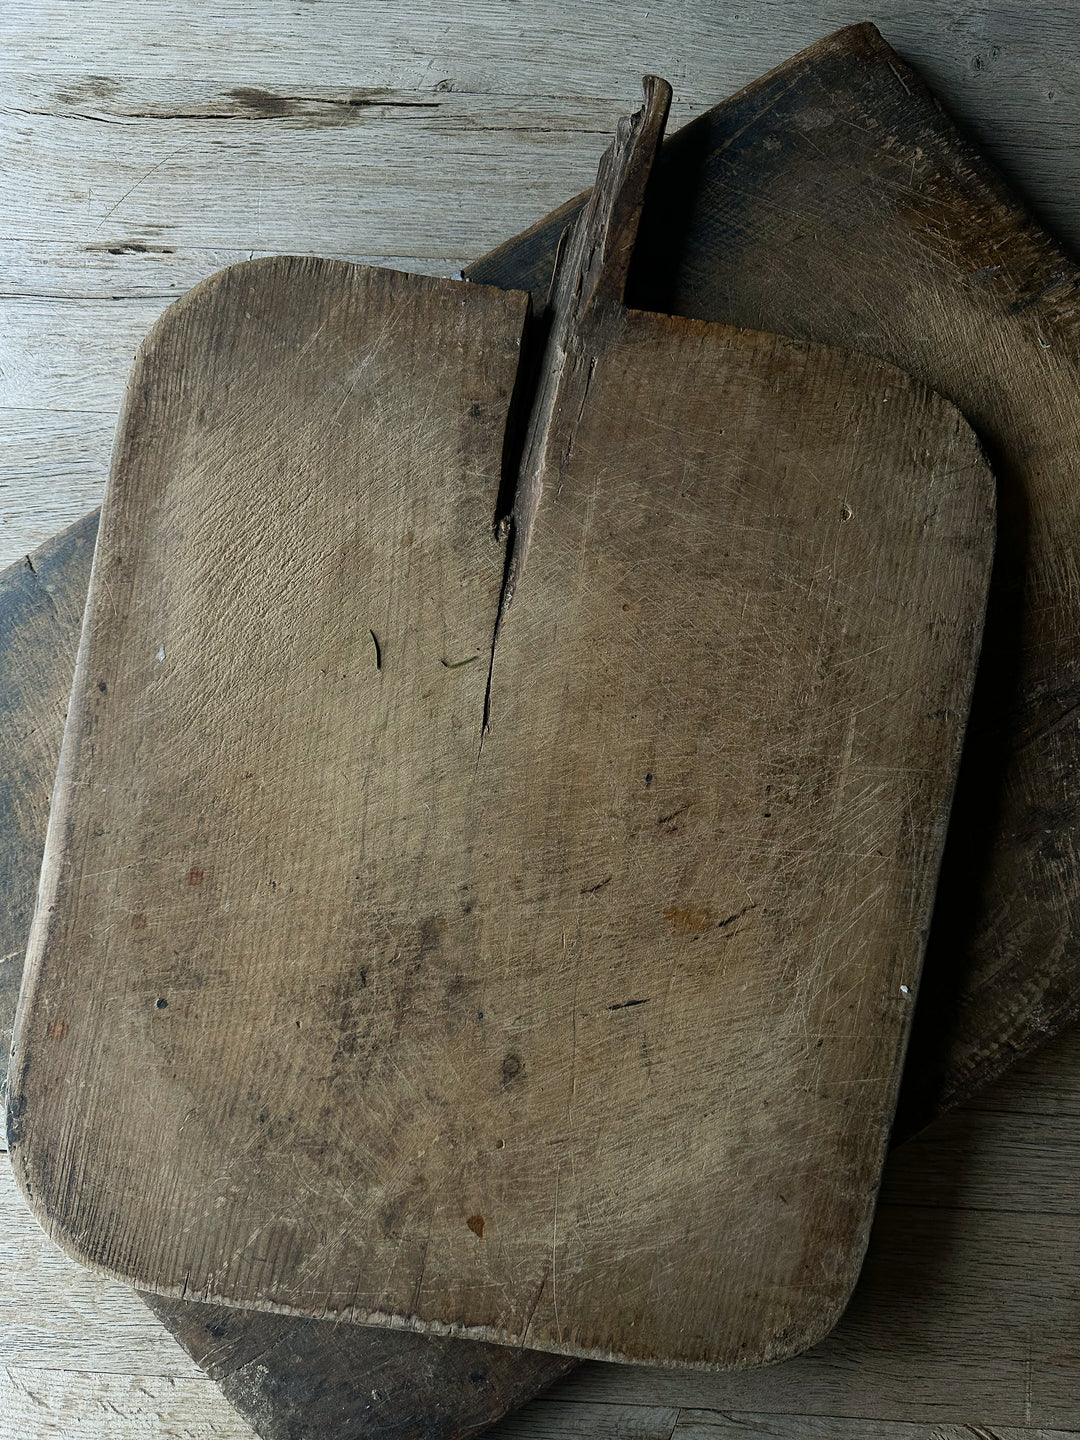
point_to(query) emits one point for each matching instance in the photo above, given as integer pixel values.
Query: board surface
(298, 898)
(1001, 973)
(1041, 161)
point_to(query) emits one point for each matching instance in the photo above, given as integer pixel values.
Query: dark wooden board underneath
(41, 606)
(724, 159)
(293, 1379)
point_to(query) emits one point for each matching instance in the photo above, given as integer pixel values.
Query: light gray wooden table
(146, 143)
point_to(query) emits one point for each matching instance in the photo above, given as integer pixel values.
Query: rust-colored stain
(689, 921)
(59, 1028)
(476, 1225)
(138, 922)
(195, 876)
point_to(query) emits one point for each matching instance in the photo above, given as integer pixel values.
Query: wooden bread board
(290, 1378)
(955, 1048)
(708, 765)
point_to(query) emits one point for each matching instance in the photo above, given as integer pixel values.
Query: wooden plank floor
(146, 143)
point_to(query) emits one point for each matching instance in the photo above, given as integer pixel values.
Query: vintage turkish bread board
(587, 1036)
(289, 1377)
(42, 606)
(835, 200)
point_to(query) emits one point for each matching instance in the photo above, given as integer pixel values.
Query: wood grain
(558, 72)
(50, 1405)
(288, 1377)
(742, 787)
(86, 125)
(1010, 71)
(972, 1022)
(897, 238)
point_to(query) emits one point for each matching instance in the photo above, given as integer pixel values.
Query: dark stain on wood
(94, 87)
(130, 247)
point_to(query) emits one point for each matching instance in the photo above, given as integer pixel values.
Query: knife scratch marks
(532, 1309)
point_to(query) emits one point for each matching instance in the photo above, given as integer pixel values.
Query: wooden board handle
(599, 245)
(589, 281)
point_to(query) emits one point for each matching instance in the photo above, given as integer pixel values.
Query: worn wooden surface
(161, 141)
(294, 1378)
(82, 286)
(710, 773)
(869, 223)
(41, 603)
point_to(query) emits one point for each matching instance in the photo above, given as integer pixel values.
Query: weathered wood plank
(985, 1160)
(53, 474)
(38, 1404)
(1044, 1083)
(56, 1315)
(308, 183)
(998, 65)
(925, 1339)
(1014, 82)
(54, 270)
(568, 1420)
(87, 372)
(710, 1425)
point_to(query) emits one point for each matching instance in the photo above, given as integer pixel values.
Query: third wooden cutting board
(519, 949)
